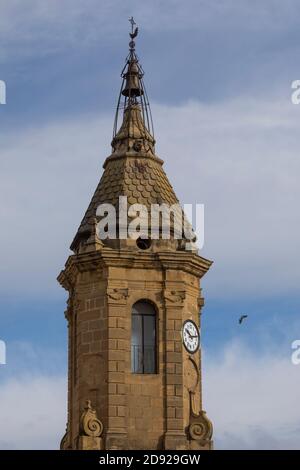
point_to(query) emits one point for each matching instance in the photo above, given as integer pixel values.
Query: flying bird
(242, 318)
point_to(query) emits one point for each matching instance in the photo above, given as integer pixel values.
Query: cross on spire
(133, 23)
(133, 34)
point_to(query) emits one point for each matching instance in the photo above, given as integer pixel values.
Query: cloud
(240, 159)
(256, 406)
(40, 27)
(43, 198)
(24, 359)
(252, 400)
(33, 412)
(33, 395)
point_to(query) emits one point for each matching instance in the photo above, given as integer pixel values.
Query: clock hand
(191, 336)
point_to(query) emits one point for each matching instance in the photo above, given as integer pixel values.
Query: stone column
(118, 347)
(175, 437)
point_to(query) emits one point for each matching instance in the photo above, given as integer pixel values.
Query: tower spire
(132, 169)
(133, 109)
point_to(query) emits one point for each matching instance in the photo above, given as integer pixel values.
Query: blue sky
(219, 77)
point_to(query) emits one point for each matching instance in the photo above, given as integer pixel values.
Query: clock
(190, 336)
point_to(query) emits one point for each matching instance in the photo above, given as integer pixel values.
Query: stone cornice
(185, 261)
(177, 260)
(133, 155)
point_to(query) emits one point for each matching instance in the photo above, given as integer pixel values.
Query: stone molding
(96, 260)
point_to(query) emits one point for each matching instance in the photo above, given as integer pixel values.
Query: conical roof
(142, 179)
(133, 169)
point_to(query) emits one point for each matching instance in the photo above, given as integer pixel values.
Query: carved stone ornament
(191, 374)
(200, 429)
(64, 443)
(90, 425)
(117, 294)
(137, 145)
(93, 243)
(175, 296)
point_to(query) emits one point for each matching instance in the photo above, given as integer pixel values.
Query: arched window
(143, 338)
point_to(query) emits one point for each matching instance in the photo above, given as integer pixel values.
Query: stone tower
(134, 367)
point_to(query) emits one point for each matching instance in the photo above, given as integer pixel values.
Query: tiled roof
(141, 179)
(133, 170)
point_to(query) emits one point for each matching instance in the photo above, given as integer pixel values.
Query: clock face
(190, 336)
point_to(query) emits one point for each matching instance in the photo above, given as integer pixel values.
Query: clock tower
(134, 306)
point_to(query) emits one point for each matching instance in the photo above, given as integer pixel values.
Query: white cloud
(33, 413)
(38, 27)
(48, 175)
(253, 400)
(240, 158)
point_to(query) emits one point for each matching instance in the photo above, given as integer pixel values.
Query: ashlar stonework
(109, 406)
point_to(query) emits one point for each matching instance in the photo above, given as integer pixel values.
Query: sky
(218, 75)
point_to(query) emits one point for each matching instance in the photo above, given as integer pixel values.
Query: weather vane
(132, 22)
(134, 32)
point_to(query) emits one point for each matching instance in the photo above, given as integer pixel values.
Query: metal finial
(131, 20)
(133, 34)
(133, 95)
